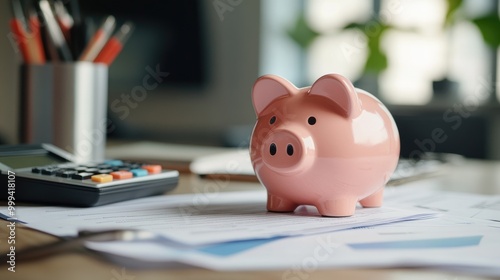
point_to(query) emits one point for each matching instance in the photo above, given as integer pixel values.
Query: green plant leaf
(376, 61)
(372, 28)
(302, 33)
(355, 25)
(453, 6)
(489, 26)
(373, 31)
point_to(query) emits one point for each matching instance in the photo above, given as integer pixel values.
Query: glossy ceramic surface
(328, 145)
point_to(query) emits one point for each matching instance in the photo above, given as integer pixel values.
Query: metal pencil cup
(65, 104)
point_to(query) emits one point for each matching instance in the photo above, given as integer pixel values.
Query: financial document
(437, 243)
(205, 218)
(417, 227)
(484, 208)
(461, 239)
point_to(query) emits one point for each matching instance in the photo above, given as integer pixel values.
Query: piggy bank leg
(374, 200)
(343, 207)
(279, 204)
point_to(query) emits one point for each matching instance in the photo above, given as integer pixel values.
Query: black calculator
(48, 175)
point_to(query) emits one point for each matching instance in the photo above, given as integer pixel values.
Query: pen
(18, 28)
(20, 38)
(64, 19)
(98, 40)
(115, 44)
(78, 33)
(36, 40)
(29, 42)
(55, 32)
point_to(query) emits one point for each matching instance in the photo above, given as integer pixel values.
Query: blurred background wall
(434, 63)
(208, 85)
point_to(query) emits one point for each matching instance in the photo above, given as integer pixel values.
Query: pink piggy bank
(329, 145)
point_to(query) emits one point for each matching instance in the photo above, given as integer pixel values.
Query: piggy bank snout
(285, 150)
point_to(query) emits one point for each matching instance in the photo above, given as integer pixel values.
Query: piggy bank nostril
(272, 149)
(289, 149)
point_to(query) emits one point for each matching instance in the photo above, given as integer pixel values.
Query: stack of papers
(205, 218)
(233, 231)
(434, 243)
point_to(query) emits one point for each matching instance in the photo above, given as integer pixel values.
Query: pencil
(115, 44)
(64, 19)
(29, 41)
(55, 33)
(78, 32)
(98, 40)
(36, 41)
(17, 29)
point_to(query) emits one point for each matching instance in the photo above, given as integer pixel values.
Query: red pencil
(115, 44)
(20, 38)
(98, 40)
(27, 34)
(36, 41)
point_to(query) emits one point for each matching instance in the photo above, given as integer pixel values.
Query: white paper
(463, 238)
(441, 244)
(204, 218)
(456, 241)
(229, 162)
(467, 205)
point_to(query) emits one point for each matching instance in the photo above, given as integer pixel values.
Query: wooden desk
(472, 176)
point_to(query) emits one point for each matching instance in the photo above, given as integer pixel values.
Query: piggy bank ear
(268, 88)
(339, 90)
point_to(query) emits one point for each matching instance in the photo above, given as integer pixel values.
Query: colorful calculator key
(120, 175)
(152, 168)
(113, 162)
(102, 178)
(139, 172)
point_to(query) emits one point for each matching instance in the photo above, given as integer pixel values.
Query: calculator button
(119, 175)
(135, 166)
(36, 170)
(102, 178)
(68, 165)
(139, 172)
(104, 166)
(82, 176)
(66, 173)
(125, 168)
(152, 168)
(49, 171)
(81, 168)
(92, 170)
(104, 171)
(114, 162)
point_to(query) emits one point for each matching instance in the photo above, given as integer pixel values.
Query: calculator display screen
(22, 161)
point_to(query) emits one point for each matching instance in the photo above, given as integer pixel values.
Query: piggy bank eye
(311, 120)
(272, 120)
